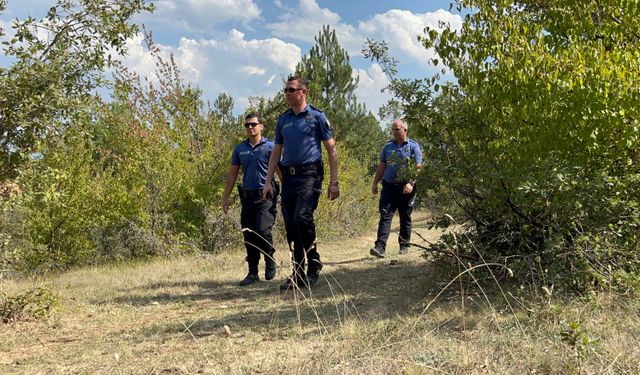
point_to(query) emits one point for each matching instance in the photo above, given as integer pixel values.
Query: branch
(517, 209)
(450, 253)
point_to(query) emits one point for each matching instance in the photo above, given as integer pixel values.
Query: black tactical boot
(250, 279)
(313, 273)
(294, 281)
(270, 268)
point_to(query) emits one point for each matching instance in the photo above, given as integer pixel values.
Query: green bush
(35, 303)
(537, 145)
(356, 209)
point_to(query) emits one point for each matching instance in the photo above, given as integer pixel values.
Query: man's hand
(267, 192)
(333, 192)
(408, 188)
(374, 189)
(225, 205)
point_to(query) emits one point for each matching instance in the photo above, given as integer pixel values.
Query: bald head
(401, 123)
(399, 130)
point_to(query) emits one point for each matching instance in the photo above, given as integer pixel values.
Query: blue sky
(245, 47)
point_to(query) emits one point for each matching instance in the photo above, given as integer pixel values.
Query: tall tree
(52, 77)
(332, 89)
(223, 107)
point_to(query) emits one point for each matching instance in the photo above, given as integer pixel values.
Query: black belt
(251, 193)
(394, 183)
(297, 169)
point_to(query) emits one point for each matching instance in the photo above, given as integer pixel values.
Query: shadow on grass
(374, 291)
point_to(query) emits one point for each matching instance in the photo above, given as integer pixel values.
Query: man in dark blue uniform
(257, 215)
(398, 187)
(300, 131)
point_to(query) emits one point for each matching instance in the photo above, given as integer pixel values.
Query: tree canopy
(50, 78)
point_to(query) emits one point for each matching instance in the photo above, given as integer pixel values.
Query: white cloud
(274, 50)
(253, 70)
(235, 65)
(244, 67)
(218, 58)
(305, 21)
(200, 15)
(400, 29)
(371, 82)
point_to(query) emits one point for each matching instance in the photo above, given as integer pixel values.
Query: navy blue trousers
(300, 196)
(259, 216)
(392, 199)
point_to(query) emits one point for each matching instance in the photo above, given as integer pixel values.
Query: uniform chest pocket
(310, 128)
(261, 153)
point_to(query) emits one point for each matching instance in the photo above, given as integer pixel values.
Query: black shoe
(288, 283)
(270, 269)
(292, 282)
(250, 279)
(313, 273)
(377, 252)
(404, 249)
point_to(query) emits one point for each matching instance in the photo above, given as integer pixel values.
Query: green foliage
(579, 339)
(356, 209)
(411, 97)
(53, 77)
(168, 150)
(143, 173)
(60, 203)
(140, 176)
(35, 303)
(537, 144)
(223, 106)
(12, 231)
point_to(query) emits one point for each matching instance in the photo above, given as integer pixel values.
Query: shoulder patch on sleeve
(315, 109)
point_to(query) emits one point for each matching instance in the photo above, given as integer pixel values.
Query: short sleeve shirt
(302, 135)
(254, 161)
(397, 157)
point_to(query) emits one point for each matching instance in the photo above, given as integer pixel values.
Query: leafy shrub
(35, 303)
(536, 145)
(220, 231)
(356, 209)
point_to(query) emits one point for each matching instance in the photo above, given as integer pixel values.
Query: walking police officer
(300, 131)
(398, 189)
(257, 215)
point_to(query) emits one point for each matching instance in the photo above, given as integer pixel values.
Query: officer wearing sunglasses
(300, 132)
(257, 215)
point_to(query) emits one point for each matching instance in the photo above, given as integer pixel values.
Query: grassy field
(365, 316)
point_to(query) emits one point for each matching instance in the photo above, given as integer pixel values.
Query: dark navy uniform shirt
(397, 156)
(302, 136)
(254, 162)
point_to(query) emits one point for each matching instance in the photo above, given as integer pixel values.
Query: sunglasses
(251, 124)
(291, 90)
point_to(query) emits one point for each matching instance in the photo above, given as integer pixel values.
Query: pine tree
(332, 89)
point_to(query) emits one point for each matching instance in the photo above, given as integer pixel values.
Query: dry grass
(365, 316)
